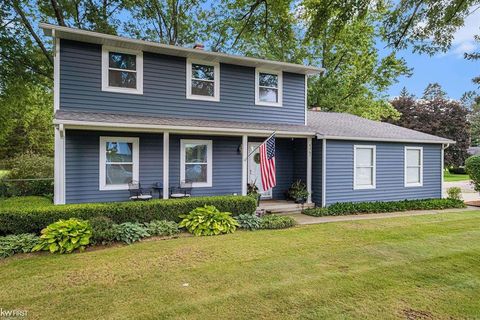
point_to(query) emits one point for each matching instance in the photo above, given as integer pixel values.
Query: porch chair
(137, 193)
(182, 191)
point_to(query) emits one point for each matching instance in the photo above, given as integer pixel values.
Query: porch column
(166, 163)
(309, 169)
(244, 164)
(59, 173)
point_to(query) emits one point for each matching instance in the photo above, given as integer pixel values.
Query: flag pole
(248, 156)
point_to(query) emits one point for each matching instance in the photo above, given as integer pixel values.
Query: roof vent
(198, 46)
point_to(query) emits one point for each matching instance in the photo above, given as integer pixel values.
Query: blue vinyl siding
(82, 165)
(390, 173)
(227, 165)
(317, 172)
(164, 90)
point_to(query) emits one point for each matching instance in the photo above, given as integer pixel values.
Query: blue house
(128, 109)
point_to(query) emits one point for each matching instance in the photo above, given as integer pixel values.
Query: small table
(158, 187)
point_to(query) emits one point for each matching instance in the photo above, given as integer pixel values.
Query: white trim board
(111, 40)
(320, 136)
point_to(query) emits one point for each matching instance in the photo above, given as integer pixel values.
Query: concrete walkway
(304, 219)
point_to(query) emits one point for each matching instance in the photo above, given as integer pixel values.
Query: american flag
(267, 163)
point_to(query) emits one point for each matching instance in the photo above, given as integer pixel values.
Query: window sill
(364, 187)
(413, 185)
(203, 98)
(122, 90)
(267, 104)
(199, 185)
(114, 187)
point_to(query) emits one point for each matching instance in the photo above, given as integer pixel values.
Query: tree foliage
(436, 114)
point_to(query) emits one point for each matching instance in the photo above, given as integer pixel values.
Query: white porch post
(59, 173)
(309, 169)
(244, 164)
(166, 163)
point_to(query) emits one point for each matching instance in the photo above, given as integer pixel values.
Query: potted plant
(298, 192)
(252, 191)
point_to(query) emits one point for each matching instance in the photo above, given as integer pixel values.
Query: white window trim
(102, 170)
(374, 177)
(257, 88)
(216, 80)
(183, 142)
(416, 184)
(105, 68)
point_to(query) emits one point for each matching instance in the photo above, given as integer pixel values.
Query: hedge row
(346, 208)
(16, 221)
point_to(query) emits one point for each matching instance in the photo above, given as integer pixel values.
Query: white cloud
(463, 40)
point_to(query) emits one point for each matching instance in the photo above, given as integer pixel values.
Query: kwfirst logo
(10, 314)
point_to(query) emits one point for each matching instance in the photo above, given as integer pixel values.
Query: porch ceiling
(129, 122)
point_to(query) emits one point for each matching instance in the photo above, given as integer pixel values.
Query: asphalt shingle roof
(325, 124)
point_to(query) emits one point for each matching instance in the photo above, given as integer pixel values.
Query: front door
(254, 170)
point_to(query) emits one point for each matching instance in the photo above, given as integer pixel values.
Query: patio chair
(182, 191)
(137, 193)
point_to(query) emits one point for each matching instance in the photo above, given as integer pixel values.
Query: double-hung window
(413, 166)
(196, 162)
(119, 162)
(364, 174)
(122, 70)
(203, 80)
(268, 88)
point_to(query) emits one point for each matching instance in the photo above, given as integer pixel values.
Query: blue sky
(449, 69)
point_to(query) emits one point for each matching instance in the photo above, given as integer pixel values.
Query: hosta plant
(208, 221)
(130, 232)
(248, 221)
(162, 228)
(64, 236)
(18, 243)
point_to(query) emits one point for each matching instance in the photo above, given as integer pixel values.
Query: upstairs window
(119, 162)
(364, 167)
(413, 166)
(268, 88)
(122, 70)
(203, 80)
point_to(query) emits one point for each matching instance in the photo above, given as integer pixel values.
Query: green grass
(24, 202)
(394, 268)
(450, 177)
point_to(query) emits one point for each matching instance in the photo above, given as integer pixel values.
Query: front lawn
(423, 267)
(450, 177)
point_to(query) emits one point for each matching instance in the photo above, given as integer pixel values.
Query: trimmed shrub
(102, 230)
(472, 166)
(30, 166)
(64, 236)
(208, 221)
(248, 221)
(454, 193)
(457, 170)
(19, 243)
(273, 221)
(162, 228)
(32, 220)
(130, 232)
(346, 208)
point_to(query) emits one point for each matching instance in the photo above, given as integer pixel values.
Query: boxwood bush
(345, 208)
(32, 220)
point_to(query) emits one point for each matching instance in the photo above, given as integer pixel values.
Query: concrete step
(279, 207)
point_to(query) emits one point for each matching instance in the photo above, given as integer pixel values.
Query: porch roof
(109, 121)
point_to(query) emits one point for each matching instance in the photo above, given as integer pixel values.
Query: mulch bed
(473, 203)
